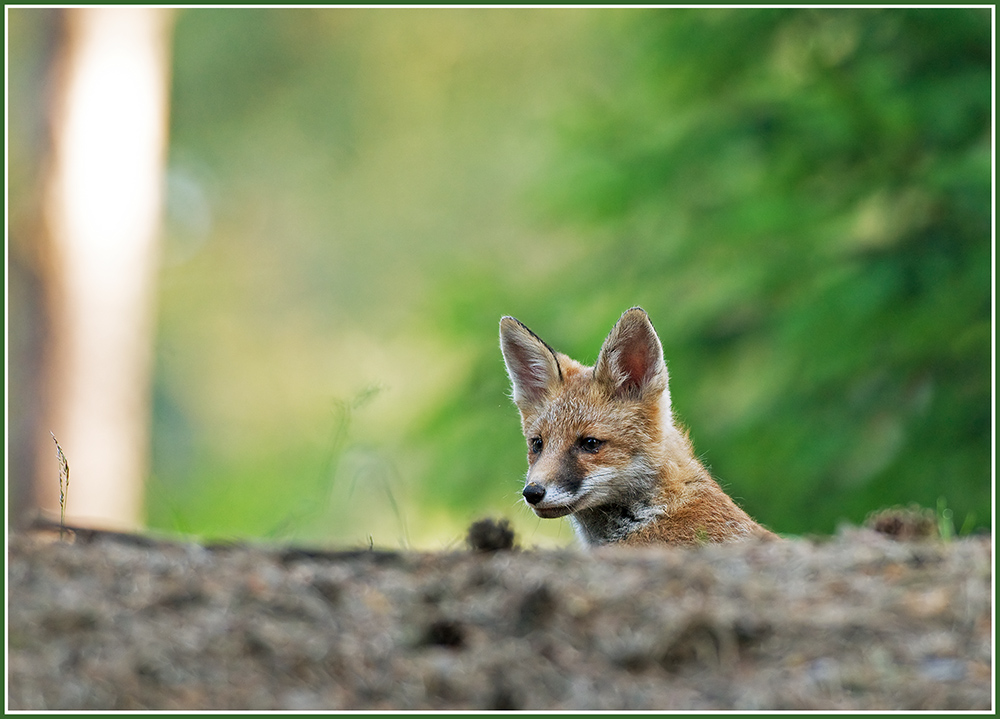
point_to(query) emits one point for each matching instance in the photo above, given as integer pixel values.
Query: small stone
(490, 535)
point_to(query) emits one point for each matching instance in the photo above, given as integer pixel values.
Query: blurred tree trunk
(102, 207)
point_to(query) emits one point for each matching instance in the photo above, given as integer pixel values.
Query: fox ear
(531, 364)
(631, 364)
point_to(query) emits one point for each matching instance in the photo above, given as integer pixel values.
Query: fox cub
(603, 447)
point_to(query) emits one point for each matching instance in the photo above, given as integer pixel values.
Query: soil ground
(858, 621)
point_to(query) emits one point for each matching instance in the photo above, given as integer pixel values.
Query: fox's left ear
(631, 364)
(532, 365)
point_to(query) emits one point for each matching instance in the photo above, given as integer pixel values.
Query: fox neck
(615, 522)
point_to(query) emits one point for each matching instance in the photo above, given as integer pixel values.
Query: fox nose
(533, 493)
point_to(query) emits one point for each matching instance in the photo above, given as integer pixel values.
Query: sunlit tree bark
(102, 212)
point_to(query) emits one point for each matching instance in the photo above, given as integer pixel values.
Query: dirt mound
(855, 622)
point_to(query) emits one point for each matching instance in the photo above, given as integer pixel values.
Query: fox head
(595, 434)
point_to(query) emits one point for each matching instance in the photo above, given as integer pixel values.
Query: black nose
(533, 493)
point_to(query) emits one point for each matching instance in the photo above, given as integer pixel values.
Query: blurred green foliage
(331, 173)
(800, 198)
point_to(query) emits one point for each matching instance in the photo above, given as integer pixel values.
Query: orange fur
(604, 449)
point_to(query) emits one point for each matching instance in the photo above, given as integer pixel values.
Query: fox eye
(590, 444)
(535, 445)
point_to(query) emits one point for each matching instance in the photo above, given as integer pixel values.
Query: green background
(800, 199)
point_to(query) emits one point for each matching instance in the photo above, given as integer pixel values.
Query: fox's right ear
(531, 364)
(630, 363)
